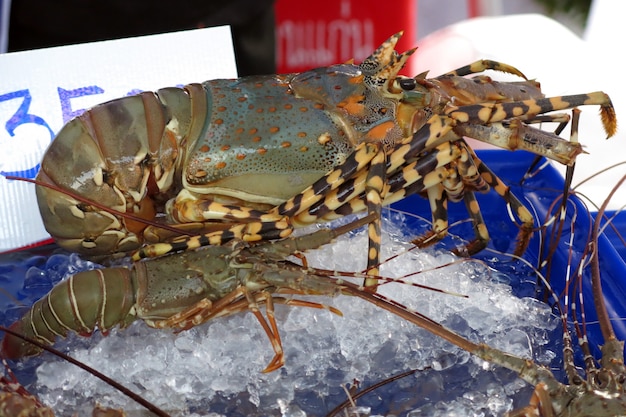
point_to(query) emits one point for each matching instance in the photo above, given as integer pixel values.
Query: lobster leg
(518, 208)
(515, 134)
(439, 209)
(483, 65)
(373, 196)
(240, 300)
(526, 110)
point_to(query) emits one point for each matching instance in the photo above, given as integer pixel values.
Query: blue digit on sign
(66, 95)
(21, 117)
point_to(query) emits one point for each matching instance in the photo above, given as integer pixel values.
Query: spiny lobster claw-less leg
(483, 65)
(539, 404)
(240, 300)
(517, 207)
(527, 110)
(374, 201)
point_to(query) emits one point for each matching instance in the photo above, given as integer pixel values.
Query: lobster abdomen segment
(75, 305)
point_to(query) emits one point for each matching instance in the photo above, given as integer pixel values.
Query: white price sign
(41, 90)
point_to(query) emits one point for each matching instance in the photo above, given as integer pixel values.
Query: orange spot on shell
(302, 134)
(218, 121)
(256, 139)
(240, 156)
(225, 147)
(288, 106)
(304, 109)
(274, 129)
(239, 130)
(353, 105)
(357, 79)
(205, 148)
(261, 151)
(272, 109)
(221, 108)
(380, 132)
(220, 165)
(253, 130)
(242, 99)
(285, 144)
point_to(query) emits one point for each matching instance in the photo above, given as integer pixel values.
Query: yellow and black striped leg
(255, 225)
(312, 197)
(483, 65)
(375, 183)
(439, 208)
(520, 211)
(277, 228)
(480, 228)
(527, 110)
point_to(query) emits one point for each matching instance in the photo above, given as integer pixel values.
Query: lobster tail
(101, 299)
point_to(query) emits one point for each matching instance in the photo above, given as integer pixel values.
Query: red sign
(326, 32)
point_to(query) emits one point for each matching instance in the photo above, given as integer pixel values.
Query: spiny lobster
(254, 157)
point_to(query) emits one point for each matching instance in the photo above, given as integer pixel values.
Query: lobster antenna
(102, 207)
(603, 316)
(126, 391)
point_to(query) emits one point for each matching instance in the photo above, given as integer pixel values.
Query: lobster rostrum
(255, 157)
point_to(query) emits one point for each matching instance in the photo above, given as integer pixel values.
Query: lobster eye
(407, 84)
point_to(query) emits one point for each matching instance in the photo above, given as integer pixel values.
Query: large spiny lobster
(178, 291)
(255, 157)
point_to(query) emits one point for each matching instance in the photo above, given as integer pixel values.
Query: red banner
(325, 32)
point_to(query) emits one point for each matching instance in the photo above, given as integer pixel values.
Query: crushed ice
(215, 369)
